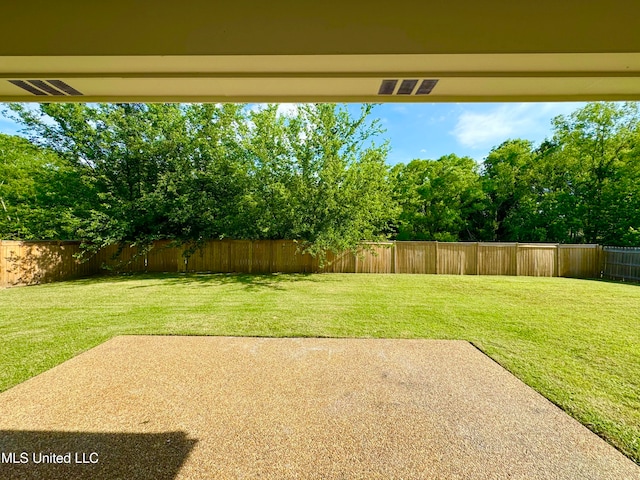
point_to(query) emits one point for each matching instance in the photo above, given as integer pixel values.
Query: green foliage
(316, 180)
(600, 145)
(440, 199)
(507, 178)
(134, 173)
(191, 172)
(583, 186)
(42, 197)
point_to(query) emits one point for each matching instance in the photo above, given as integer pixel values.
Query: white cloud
(484, 129)
(423, 150)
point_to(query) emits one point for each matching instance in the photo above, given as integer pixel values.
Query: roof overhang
(292, 50)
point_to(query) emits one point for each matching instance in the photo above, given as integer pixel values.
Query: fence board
(240, 253)
(28, 263)
(622, 263)
(497, 259)
(285, 258)
(162, 258)
(537, 260)
(129, 261)
(457, 258)
(208, 258)
(579, 261)
(415, 257)
(343, 262)
(377, 258)
(24, 263)
(262, 256)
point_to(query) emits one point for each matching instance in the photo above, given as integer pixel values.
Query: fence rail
(621, 263)
(25, 263)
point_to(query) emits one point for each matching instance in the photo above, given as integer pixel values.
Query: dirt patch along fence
(621, 263)
(25, 263)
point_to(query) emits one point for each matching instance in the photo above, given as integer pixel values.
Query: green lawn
(575, 341)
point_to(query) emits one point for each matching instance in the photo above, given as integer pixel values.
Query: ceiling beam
(292, 50)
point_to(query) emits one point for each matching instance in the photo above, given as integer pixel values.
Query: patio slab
(162, 407)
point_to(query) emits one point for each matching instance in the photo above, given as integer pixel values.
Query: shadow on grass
(274, 281)
(98, 456)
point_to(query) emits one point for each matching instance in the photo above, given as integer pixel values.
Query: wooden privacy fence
(24, 263)
(622, 263)
(521, 259)
(28, 263)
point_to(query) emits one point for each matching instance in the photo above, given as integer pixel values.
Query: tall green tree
(580, 186)
(507, 178)
(601, 140)
(440, 199)
(161, 171)
(319, 177)
(41, 195)
(193, 172)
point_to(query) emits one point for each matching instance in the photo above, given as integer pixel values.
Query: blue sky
(419, 130)
(466, 129)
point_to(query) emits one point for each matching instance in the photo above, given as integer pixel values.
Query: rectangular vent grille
(68, 89)
(28, 87)
(45, 88)
(426, 86)
(387, 87)
(407, 87)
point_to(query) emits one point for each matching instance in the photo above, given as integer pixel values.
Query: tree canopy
(135, 173)
(193, 172)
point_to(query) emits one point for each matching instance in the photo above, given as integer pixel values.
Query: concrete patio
(162, 407)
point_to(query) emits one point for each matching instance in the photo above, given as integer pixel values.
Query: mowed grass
(575, 341)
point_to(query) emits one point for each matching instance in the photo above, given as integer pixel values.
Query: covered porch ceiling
(333, 51)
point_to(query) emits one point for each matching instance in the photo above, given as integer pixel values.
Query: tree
(319, 178)
(507, 177)
(440, 199)
(41, 195)
(161, 171)
(193, 172)
(580, 186)
(601, 140)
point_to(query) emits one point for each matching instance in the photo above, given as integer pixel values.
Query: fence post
(393, 257)
(437, 262)
(517, 259)
(556, 263)
(477, 258)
